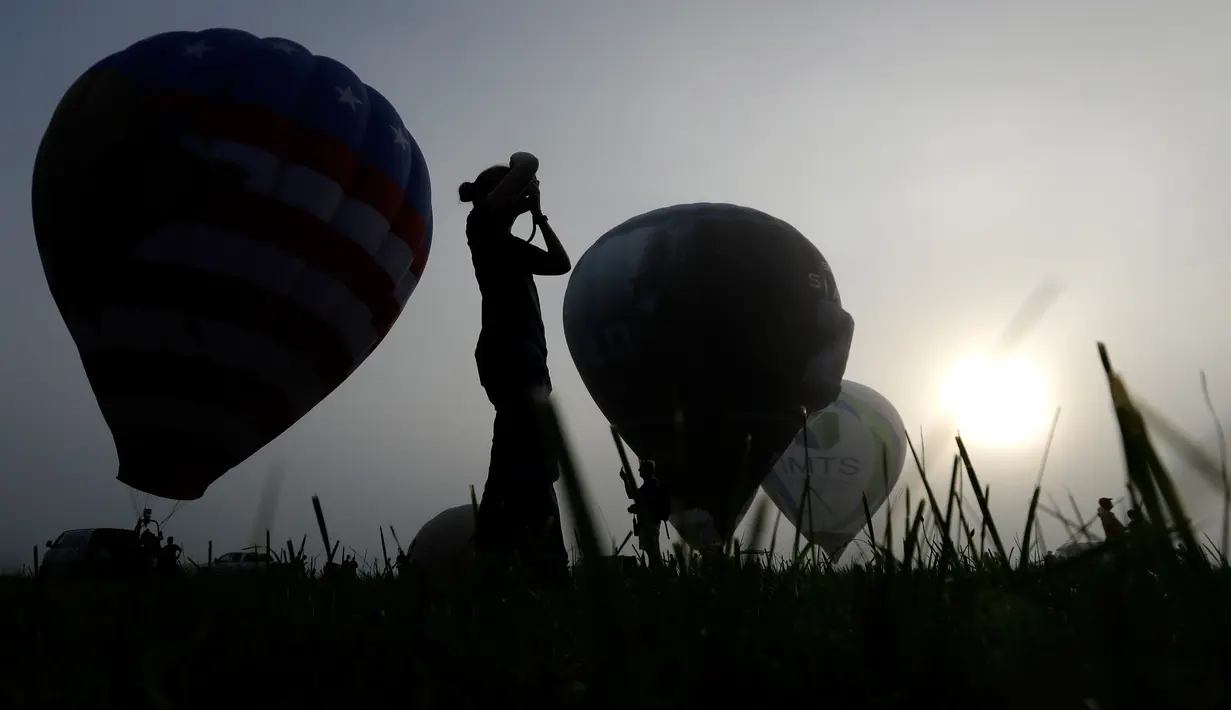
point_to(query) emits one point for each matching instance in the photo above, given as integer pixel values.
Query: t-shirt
(512, 349)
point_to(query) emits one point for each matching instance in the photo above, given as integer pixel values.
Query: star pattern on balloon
(400, 137)
(197, 49)
(346, 95)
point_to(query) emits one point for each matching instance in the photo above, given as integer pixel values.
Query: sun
(999, 401)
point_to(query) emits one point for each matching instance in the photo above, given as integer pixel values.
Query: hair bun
(465, 192)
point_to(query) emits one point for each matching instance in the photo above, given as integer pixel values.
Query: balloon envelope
(229, 226)
(703, 332)
(697, 528)
(445, 539)
(856, 447)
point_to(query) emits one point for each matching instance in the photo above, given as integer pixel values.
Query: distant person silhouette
(1112, 527)
(169, 556)
(1139, 528)
(519, 512)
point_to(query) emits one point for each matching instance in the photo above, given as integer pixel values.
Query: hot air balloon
(445, 540)
(229, 226)
(856, 447)
(1076, 547)
(697, 528)
(703, 332)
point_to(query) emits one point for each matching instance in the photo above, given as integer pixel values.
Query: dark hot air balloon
(445, 540)
(704, 332)
(229, 226)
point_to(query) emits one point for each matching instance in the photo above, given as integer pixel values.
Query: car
(94, 551)
(249, 560)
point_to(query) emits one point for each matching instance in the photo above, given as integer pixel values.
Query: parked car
(250, 560)
(94, 551)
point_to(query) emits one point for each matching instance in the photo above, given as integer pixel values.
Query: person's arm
(558, 262)
(554, 261)
(522, 167)
(519, 254)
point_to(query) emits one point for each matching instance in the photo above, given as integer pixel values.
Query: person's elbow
(553, 267)
(560, 267)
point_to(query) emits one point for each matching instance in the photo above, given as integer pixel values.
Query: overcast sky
(945, 157)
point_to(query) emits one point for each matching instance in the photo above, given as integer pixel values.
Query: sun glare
(1000, 401)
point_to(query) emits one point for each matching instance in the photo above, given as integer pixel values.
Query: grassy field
(954, 620)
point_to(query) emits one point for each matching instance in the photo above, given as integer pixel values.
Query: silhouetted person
(169, 556)
(402, 564)
(1139, 528)
(1112, 527)
(519, 512)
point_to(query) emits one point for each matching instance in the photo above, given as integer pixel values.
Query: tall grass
(963, 613)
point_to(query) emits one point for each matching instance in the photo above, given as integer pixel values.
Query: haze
(946, 157)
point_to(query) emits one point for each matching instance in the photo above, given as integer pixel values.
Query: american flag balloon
(229, 226)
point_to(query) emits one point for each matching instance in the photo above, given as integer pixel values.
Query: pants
(519, 513)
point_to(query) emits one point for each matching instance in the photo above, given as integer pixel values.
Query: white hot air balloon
(840, 456)
(696, 527)
(445, 540)
(1076, 547)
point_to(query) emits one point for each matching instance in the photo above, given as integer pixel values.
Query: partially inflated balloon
(697, 527)
(229, 226)
(703, 332)
(856, 447)
(445, 540)
(1076, 547)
